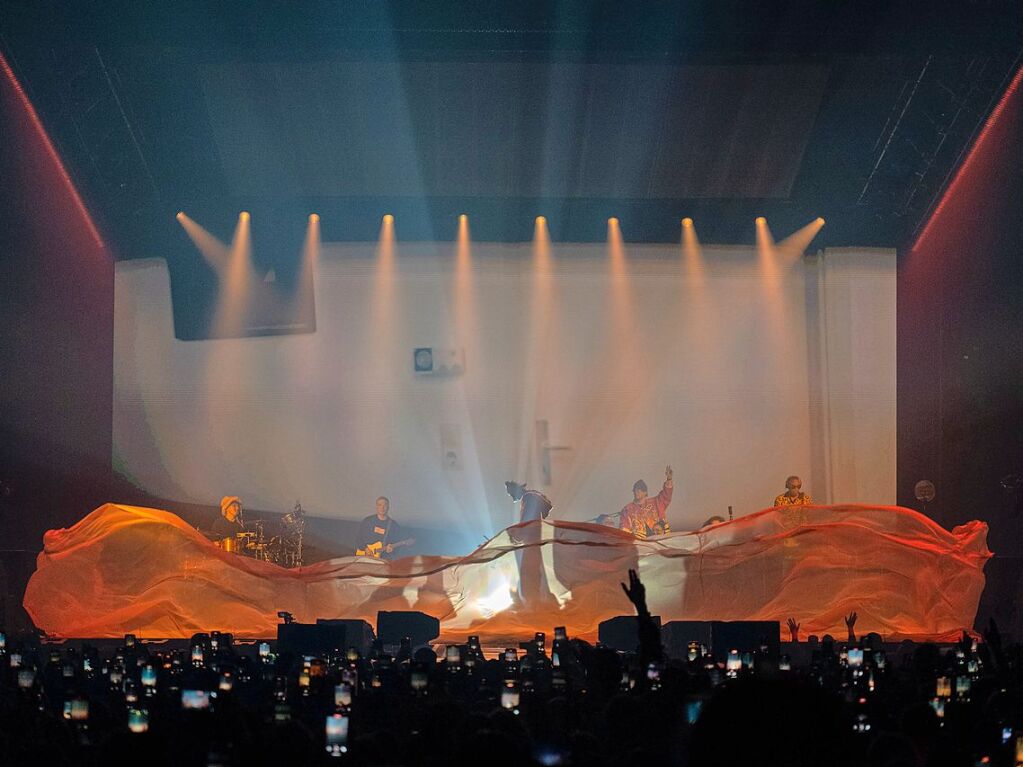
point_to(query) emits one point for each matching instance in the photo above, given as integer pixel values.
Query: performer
(793, 495)
(379, 534)
(535, 505)
(646, 516)
(230, 521)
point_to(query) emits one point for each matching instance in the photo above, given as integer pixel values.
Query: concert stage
(126, 569)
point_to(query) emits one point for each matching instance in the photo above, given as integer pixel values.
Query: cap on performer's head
(639, 485)
(515, 490)
(227, 501)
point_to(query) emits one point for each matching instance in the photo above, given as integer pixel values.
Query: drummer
(230, 522)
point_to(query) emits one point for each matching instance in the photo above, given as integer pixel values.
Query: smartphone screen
(510, 696)
(453, 655)
(560, 633)
(540, 639)
(343, 695)
(855, 657)
(79, 710)
(419, 679)
(138, 719)
(26, 678)
(264, 650)
(693, 708)
(337, 734)
(195, 699)
(148, 676)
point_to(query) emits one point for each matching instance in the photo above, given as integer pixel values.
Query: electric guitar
(378, 549)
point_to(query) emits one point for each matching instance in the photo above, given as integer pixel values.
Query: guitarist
(379, 534)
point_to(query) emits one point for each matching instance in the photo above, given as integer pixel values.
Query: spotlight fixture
(761, 220)
(388, 218)
(687, 221)
(244, 215)
(314, 217)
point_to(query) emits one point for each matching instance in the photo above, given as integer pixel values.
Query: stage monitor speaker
(621, 632)
(676, 636)
(745, 636)
(394, 625)
(359, 633)
(310, 638)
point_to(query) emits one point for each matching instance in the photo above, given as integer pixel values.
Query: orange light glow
(314, 217)
(760, 220)
(687, 222)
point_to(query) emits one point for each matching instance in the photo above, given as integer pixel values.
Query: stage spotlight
(820, 221)
(761, 220)
(541, 220)
(388, 218)
(314, 217)
(687, 222)
(244, 215)
(463, 217)
(612, 221)
(179, 215)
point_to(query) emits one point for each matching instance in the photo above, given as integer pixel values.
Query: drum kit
(284, 549)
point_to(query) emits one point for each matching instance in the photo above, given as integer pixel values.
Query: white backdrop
(734, 378)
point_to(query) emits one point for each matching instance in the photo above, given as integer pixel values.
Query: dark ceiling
(649, 111)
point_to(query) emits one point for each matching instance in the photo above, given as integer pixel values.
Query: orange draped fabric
(129, 569)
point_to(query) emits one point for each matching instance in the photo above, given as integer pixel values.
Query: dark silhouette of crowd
(560, 702)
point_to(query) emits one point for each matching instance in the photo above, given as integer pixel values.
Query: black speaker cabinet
(393, 626)
(621, 632)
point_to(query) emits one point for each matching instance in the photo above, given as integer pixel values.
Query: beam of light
(766, 254)
(771, 279)
(44, 138)
(215, 252)
(235, 282)
(692, 254)
(980, 146)
(311, 247)
(537, 344)
(464, 309)
(305, 289)
(383, 311)
(794, 246)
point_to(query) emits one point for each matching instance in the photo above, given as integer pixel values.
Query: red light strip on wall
(977, 145)
(30, 110)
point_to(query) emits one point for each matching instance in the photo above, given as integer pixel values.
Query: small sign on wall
(433, 361)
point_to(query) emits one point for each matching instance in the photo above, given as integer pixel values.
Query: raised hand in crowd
(793, 629)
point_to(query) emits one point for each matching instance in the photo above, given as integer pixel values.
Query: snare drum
(231, 545)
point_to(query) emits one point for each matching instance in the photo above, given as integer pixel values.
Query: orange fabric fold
(128, 569)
